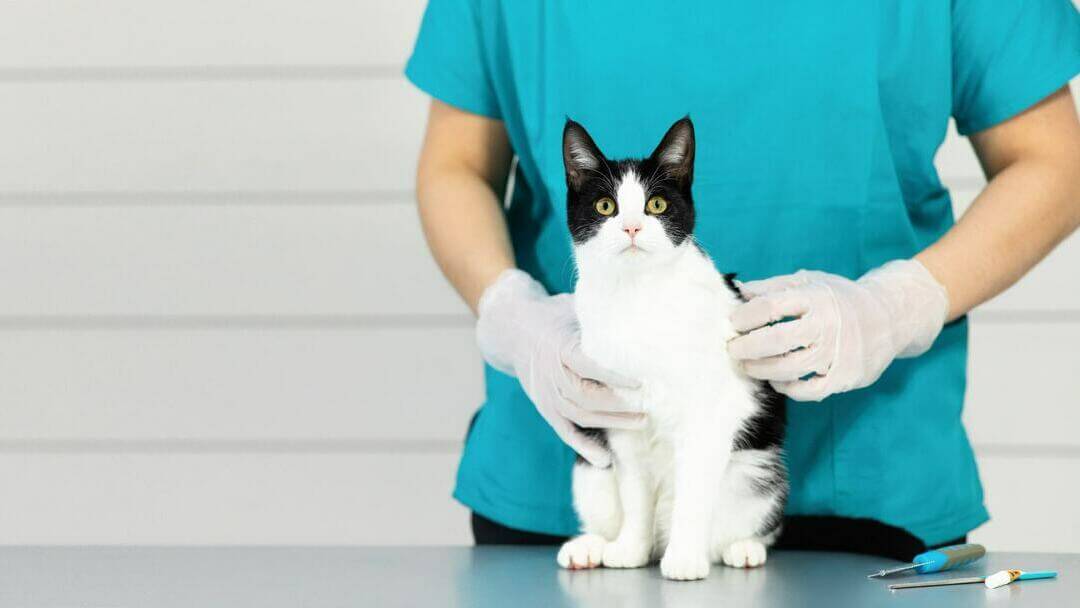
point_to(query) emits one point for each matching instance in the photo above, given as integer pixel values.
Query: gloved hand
(845, 333)
(524, 332)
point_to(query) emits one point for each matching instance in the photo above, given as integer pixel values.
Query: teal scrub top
(817, 125)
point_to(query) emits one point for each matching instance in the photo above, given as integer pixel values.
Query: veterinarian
(817, 125)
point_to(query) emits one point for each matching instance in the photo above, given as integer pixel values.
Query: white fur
(656, 311)
(675, 153)
(581, 156)
(630, 195)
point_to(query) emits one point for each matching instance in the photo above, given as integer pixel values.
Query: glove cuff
(915, 301)
(497, 309)
(509, 286)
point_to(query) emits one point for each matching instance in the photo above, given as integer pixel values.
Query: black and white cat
(705, 481)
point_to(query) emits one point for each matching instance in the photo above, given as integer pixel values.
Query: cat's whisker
(572, 269)
(653, 180)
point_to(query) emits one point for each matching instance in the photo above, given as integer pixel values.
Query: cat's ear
(580, 154)
(676, 150)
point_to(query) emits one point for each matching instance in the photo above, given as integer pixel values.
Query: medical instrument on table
(993, 581)
(939, 583)
(1000, 579)
(938, 560)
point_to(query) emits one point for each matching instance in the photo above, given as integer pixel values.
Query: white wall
(201, 340)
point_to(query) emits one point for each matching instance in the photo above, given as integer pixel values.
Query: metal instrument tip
(891, 571)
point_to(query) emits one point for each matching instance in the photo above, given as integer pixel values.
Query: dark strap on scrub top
(851, 535)
(801, 532)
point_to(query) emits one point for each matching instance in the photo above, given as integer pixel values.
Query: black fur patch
(729, 280)
(765, 430)
(774, 524)
(598, 435)
(591, 176)
(775, 477)
(777, 485)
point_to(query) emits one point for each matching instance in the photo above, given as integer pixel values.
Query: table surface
(264, 577)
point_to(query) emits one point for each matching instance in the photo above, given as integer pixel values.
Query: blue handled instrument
(938, 560)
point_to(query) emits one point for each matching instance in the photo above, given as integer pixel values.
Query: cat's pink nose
(632, 230)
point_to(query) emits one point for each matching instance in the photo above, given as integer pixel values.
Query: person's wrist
(916, 303)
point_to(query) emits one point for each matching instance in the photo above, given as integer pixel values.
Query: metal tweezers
(940, 582)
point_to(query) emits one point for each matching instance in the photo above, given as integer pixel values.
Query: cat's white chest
(659, 332)
(630, 330)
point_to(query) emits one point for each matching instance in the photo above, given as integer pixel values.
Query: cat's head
(630, 213)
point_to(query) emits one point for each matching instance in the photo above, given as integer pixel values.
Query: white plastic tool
(1000, 579)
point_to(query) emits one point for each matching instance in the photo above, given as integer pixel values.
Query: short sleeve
(448, 59)
(1008, 55)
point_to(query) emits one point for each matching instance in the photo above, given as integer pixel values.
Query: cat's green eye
(605, 206)
(656, 205)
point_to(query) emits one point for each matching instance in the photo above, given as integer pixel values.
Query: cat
(706, 481)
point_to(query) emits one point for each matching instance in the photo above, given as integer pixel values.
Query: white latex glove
(533, 336)
(843, 333)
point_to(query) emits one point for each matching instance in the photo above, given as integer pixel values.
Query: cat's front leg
(633, 545)
(702, 453)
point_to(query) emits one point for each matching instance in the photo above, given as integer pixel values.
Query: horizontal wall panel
(1033, 504)
(210, 136)
(227, 135)
(137, 33)
(292, 259)
(391, 499)
(356, 385)
(238, 499)
(224, 135)
(1023, 384)
(417, 384)
(288, 258)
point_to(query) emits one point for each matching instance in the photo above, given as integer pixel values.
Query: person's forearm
(466, 230)
(1023, 213)
(1031, 203)
(460, 180)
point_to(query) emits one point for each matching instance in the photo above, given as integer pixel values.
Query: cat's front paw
(626, 554)
(749, 553)
(681, 563)
(585, 551)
